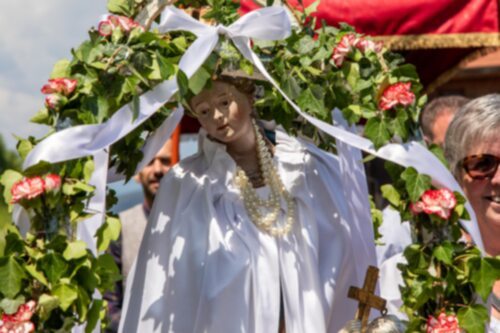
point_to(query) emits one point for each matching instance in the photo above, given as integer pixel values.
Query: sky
(35, 34)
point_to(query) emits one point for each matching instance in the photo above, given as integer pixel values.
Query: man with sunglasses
(472, 148)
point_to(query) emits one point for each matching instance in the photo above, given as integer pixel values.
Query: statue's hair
(437, 107)
(244, 85)
(476, 121)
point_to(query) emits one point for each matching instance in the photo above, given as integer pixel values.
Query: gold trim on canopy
(434, 41)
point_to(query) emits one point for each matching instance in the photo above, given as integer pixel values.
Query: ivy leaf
(76, 187)
(399, 125)
(376, 130)
(444, 253)
(416, 257)
(109, 231)
(121, 7)
(54, 266)
(47, 303)
(183, 84)
(11, 275)
(167, 69)
(416, 184)
(66, 294)
(290, 87)
(107, 271)
(391, 194)
(309, 103)
(198, 81)
(61, 69)
(473, 318)
(75, 250)
(312, 8)
(88, 170)
(31, 269)
(9, 177)
(24, 147)
(10, 306)
(93, 315)
(439, 153)
(484, 272)
(41, 117)
(82, 303)
(135, 105)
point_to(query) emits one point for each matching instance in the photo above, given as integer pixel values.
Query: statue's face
(224, 112)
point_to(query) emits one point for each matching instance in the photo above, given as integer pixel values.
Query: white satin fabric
(204, 266)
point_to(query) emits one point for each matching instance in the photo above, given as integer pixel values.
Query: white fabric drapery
(204, 266)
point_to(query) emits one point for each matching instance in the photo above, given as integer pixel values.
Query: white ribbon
(270, 23)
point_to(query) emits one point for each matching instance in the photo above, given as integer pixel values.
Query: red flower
(347, 42)
(397, 94)
(52, 182)
(368, 44)
(19, 322)
(350, 41)
(54, 101)
(27, 188)
(440, 202)
(63, 86)
(443, 324)
(112, 22)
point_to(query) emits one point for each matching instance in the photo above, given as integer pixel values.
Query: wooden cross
(366, 297)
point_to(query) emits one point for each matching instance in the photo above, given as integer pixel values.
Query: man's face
(440, 126)
(151, 175)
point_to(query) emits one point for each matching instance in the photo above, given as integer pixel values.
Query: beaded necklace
(264, 213)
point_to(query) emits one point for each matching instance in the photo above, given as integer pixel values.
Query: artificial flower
(54, 101)
(369, 45)
(440, 202)
(52, 182)
(397, 94)
(27, 188)
(346, 44)
(62, 85)
(19, 322)
(112, 22)
(443, 324)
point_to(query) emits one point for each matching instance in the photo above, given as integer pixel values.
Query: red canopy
(440, 33)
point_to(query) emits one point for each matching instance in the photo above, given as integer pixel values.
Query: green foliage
(472, 318)
(442, 272)
(11, 275)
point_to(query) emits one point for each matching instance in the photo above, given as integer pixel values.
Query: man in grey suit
(134, 222)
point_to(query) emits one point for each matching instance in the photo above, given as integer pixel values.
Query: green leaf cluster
(61, 275)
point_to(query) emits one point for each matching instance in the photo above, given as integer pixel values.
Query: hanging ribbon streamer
(270, 23)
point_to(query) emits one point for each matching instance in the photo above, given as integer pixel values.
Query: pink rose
(63, 86)
(19, 322)
(443, 324)
(397, 94)
(112, 22)
(367, 44)
(440, 202)
(105, 28)
(54, 101)
(52, 182)
(340, 52)
(27, 188)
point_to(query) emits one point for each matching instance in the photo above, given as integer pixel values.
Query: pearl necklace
(254, 205)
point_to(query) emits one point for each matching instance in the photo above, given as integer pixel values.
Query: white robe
(203, 266)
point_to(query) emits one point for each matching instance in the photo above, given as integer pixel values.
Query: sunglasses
(481, 166)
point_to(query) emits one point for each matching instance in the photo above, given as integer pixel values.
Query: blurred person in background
(437, 115)
(134, 221)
